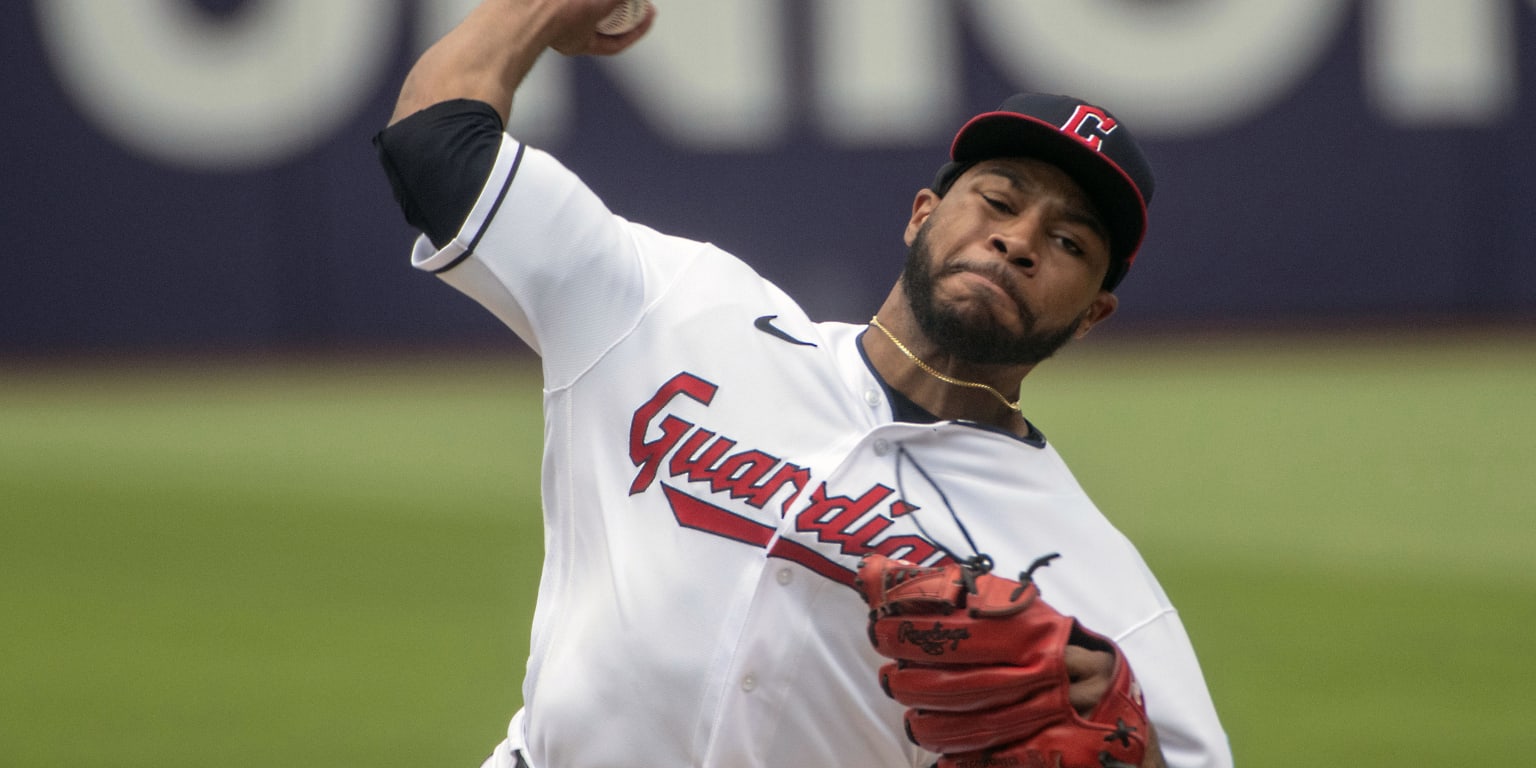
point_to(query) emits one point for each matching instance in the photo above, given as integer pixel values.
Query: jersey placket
(761, 671)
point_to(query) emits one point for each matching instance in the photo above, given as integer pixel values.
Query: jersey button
(872, 396)
(748, 683)
(881, 447)
(784, 576)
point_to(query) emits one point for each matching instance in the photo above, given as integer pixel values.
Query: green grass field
(333, 565)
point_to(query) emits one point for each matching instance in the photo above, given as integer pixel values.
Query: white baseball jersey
(715, 464)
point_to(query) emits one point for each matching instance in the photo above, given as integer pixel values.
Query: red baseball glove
(980, 661)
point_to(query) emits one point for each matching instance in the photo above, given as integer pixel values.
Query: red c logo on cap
(1103, 125)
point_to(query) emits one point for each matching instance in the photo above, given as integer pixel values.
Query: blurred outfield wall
(196, 174)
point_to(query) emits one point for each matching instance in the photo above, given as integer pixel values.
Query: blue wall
(201, 177)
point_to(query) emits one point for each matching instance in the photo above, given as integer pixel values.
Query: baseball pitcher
(771, 541)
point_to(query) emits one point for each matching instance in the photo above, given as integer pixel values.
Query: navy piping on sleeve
(517, 161)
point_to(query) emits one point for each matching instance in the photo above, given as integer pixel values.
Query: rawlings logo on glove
(931, 640)
(981, 662)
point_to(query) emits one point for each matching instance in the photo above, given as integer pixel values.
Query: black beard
(973, 342)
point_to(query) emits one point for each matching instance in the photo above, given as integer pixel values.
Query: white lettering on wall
(1180, 68)
(713, 75)
(1430, 62)
(888, 72)
(276, 77)
(168, 80)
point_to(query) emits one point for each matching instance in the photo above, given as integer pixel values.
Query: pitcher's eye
(1070, 246)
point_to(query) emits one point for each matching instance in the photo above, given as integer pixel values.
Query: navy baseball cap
(1086, 142)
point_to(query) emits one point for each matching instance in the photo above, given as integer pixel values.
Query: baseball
(627, 16)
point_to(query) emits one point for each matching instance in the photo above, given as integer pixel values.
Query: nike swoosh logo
(765, 324)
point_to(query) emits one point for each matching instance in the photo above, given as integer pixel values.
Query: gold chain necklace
(926, 368)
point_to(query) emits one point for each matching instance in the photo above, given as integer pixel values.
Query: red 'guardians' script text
(683, 450)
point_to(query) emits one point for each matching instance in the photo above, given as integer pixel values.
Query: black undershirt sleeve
(437, 161)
